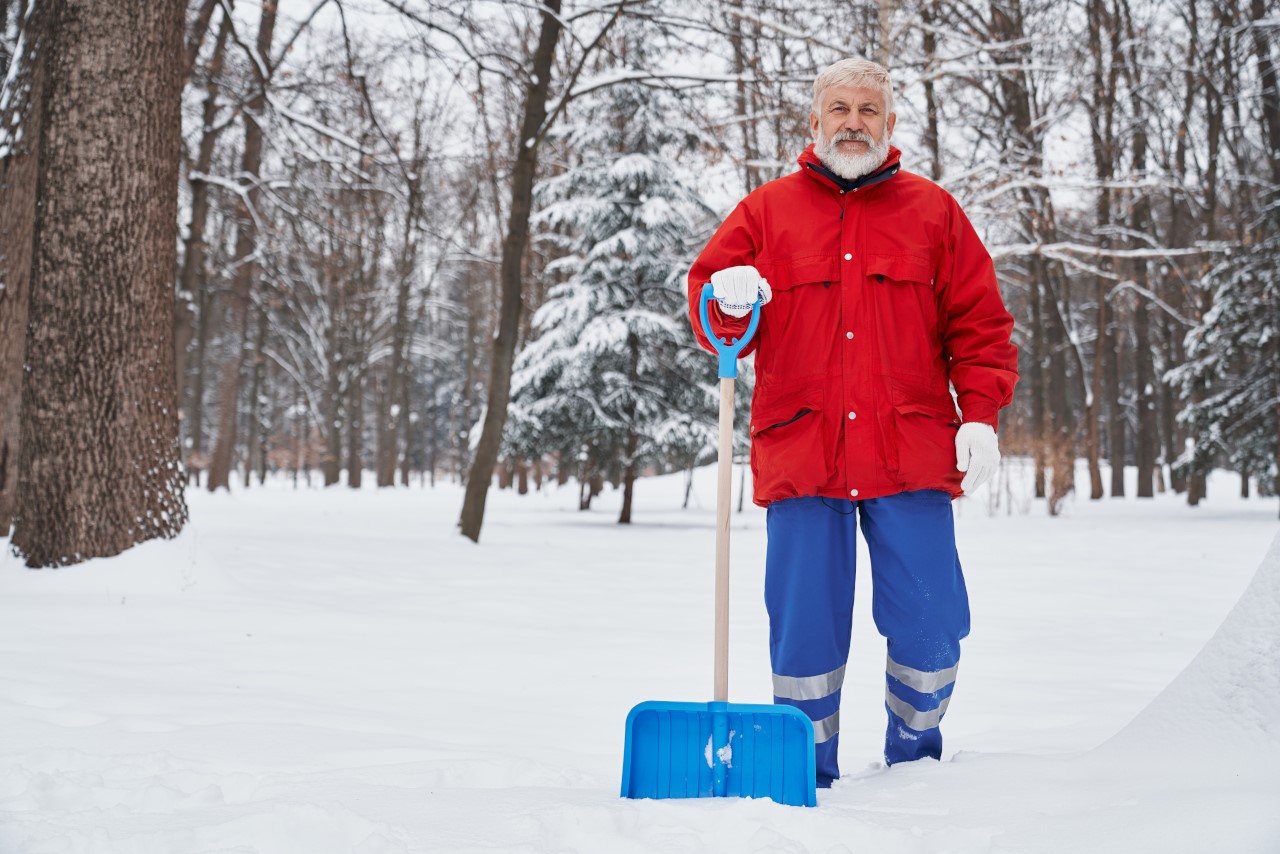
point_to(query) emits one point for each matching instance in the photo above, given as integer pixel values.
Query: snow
(321, 671)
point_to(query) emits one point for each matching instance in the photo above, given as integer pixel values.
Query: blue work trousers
(918, 601)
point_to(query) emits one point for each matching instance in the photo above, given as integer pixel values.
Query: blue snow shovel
(720, 749)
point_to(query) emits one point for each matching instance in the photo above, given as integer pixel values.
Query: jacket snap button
(854, 493)
(852, 415)
(848, 335)
(848, 257)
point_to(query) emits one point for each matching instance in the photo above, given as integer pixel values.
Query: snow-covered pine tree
(1233, 360)
(614, 378)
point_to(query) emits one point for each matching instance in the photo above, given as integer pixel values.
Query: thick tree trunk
(99, 468)
(517, 237)
(246, 268)
(19, 164)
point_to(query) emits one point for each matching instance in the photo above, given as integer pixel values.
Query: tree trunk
(255, 392)
(517, 237)
(246, 268)
(884, 44)
(1039, 380)
(355, 430)
(932, 139)
(99, 469)
(191, 278)
(389, 421)
(331, 408)
(1101, 113)
(628, 479)
(1116, 434)
(406, 430)
(19, 165)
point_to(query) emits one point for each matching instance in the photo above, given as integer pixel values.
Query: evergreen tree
(614, 377)
(1234, 365)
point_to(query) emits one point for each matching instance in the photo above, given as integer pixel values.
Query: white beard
(851, 166)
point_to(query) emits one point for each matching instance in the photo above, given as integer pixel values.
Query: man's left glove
(736, 289)
(977, 454)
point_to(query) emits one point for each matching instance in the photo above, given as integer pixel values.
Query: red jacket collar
(812, 166)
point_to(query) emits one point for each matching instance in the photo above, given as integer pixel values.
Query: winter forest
(401, 241)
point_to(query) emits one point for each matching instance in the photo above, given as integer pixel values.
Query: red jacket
(881, 296)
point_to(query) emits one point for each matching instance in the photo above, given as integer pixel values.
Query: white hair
(856, 73)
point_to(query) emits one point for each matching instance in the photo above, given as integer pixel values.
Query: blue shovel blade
(719, 750)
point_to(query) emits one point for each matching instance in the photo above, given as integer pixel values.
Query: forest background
(403, 239)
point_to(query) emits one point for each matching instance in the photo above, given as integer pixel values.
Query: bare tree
(246, 265)
(537, 88)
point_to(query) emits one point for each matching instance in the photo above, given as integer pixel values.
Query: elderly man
(877, 299)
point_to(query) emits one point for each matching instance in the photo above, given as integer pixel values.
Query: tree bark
(246, 267)
(389, 422)
(355, 429)
(99, 468)
(1101, 126)
(884, 43)
(932, 138)
(255, 392)
(191, 278)
(633, 438)
(19, 165)
(513, 247)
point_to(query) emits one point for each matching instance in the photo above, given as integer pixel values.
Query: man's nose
(853, 122)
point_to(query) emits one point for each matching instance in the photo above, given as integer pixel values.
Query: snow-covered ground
(333, 671)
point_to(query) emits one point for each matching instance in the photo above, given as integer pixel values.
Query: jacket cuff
(724, 325)
(980, 411)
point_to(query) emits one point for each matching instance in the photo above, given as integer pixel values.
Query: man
(877, 298)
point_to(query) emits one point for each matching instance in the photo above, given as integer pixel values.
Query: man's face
(852, 129)
(855, 108)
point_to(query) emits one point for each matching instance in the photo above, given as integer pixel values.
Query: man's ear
(893, 120)
(813, 125)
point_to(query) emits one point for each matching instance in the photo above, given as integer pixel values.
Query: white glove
(977, 454)
(736, 288)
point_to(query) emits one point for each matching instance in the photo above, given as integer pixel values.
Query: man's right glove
(736, 289)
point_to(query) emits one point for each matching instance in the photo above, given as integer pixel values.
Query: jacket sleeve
(735, 243)
(976, 328)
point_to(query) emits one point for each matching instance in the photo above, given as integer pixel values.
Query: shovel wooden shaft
(724, 472)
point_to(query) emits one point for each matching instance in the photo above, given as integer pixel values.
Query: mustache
(853, 136)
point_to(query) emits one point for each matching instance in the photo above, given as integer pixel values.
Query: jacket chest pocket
(790, 451)
(901, 288)
(799, 325)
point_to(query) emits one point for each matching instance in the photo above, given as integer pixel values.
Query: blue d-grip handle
(726, 349)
